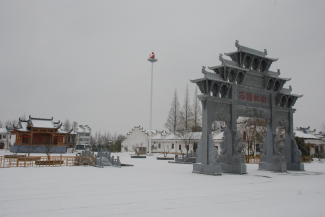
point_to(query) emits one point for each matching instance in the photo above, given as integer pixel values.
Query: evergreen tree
(302, 146)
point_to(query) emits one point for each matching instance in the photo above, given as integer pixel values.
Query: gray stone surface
(244, 87)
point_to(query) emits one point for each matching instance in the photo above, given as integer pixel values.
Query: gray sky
(86, 61)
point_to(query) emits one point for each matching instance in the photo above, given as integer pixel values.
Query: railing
(31, 161)
(252, 159)
(185, 157)
(306, 159)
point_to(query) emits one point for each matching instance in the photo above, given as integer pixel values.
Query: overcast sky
(86, 61)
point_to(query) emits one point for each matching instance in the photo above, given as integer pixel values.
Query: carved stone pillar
(291, 152)
(232, 160)
(273, 159)
(206, 160)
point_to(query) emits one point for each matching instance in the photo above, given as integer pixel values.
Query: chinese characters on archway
(252, 97)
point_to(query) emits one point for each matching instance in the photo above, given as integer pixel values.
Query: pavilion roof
(251, 51)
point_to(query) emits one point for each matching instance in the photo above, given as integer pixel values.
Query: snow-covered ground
(158, 188)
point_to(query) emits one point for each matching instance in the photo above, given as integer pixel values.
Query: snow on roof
(3, 130)
(83, 129)
(301, 134)
(43, 123)
(158, 136)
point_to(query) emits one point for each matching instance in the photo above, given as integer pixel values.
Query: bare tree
(74, 126)
(253, 130)
(8, 123)
(66, 125)
(49, 147)
(23, 117)
(174, 116)
(137, 148)
(30, 148)
(188, 138)
(166, 150)
(197, 113)
(1, 125)
(186, 112)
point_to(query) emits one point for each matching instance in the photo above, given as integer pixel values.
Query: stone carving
(278, 149)
(263, 145)
(238, 144)
(282, 120)
(278, 145)
(221, 111)
(254, 112)
(213, 152)
(223, 144)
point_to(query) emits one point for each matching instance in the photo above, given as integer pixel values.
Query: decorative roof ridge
(41, 119)
(243, 48)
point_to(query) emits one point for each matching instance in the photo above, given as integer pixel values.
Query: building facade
(314, 141)
(40, 133)
(164, 141)
(5, 138)
(83, 135)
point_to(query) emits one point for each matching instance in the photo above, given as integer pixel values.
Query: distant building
(138, 137)
(175, 143)
(5, 138)
(83, 135)
(315, 141)
(39, 132)
(163, 140)
(72, 139)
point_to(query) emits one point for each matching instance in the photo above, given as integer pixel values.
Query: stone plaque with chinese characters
(251, 96)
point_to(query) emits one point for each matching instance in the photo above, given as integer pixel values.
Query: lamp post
(151, 59)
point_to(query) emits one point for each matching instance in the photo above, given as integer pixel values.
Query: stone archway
(259, 95)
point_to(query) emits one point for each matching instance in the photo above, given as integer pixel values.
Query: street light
(151, 59)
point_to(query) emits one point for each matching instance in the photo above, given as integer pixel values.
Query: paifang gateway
(244, 87)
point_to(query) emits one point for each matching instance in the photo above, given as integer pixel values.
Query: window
(81, 134)
(68, 138)
(81, 139)
(0, 136)
(159, 145)
(4, 136)
(172, 146)
(180, 147)
(86, 134)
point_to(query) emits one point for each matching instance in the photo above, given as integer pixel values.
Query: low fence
(31, 161)
(256, 159)
(252, 159)
(186, 157)
(305, 159)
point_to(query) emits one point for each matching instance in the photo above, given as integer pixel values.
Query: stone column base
(208, 169)
(276, 167)
(295, 166)
(234, 168)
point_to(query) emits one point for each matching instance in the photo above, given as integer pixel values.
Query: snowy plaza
(158, 188)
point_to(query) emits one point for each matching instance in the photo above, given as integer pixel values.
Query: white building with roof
(163, 140)
(83, 135)
(137, 137)
(6, 139)
(175, 143)
(315, 141)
